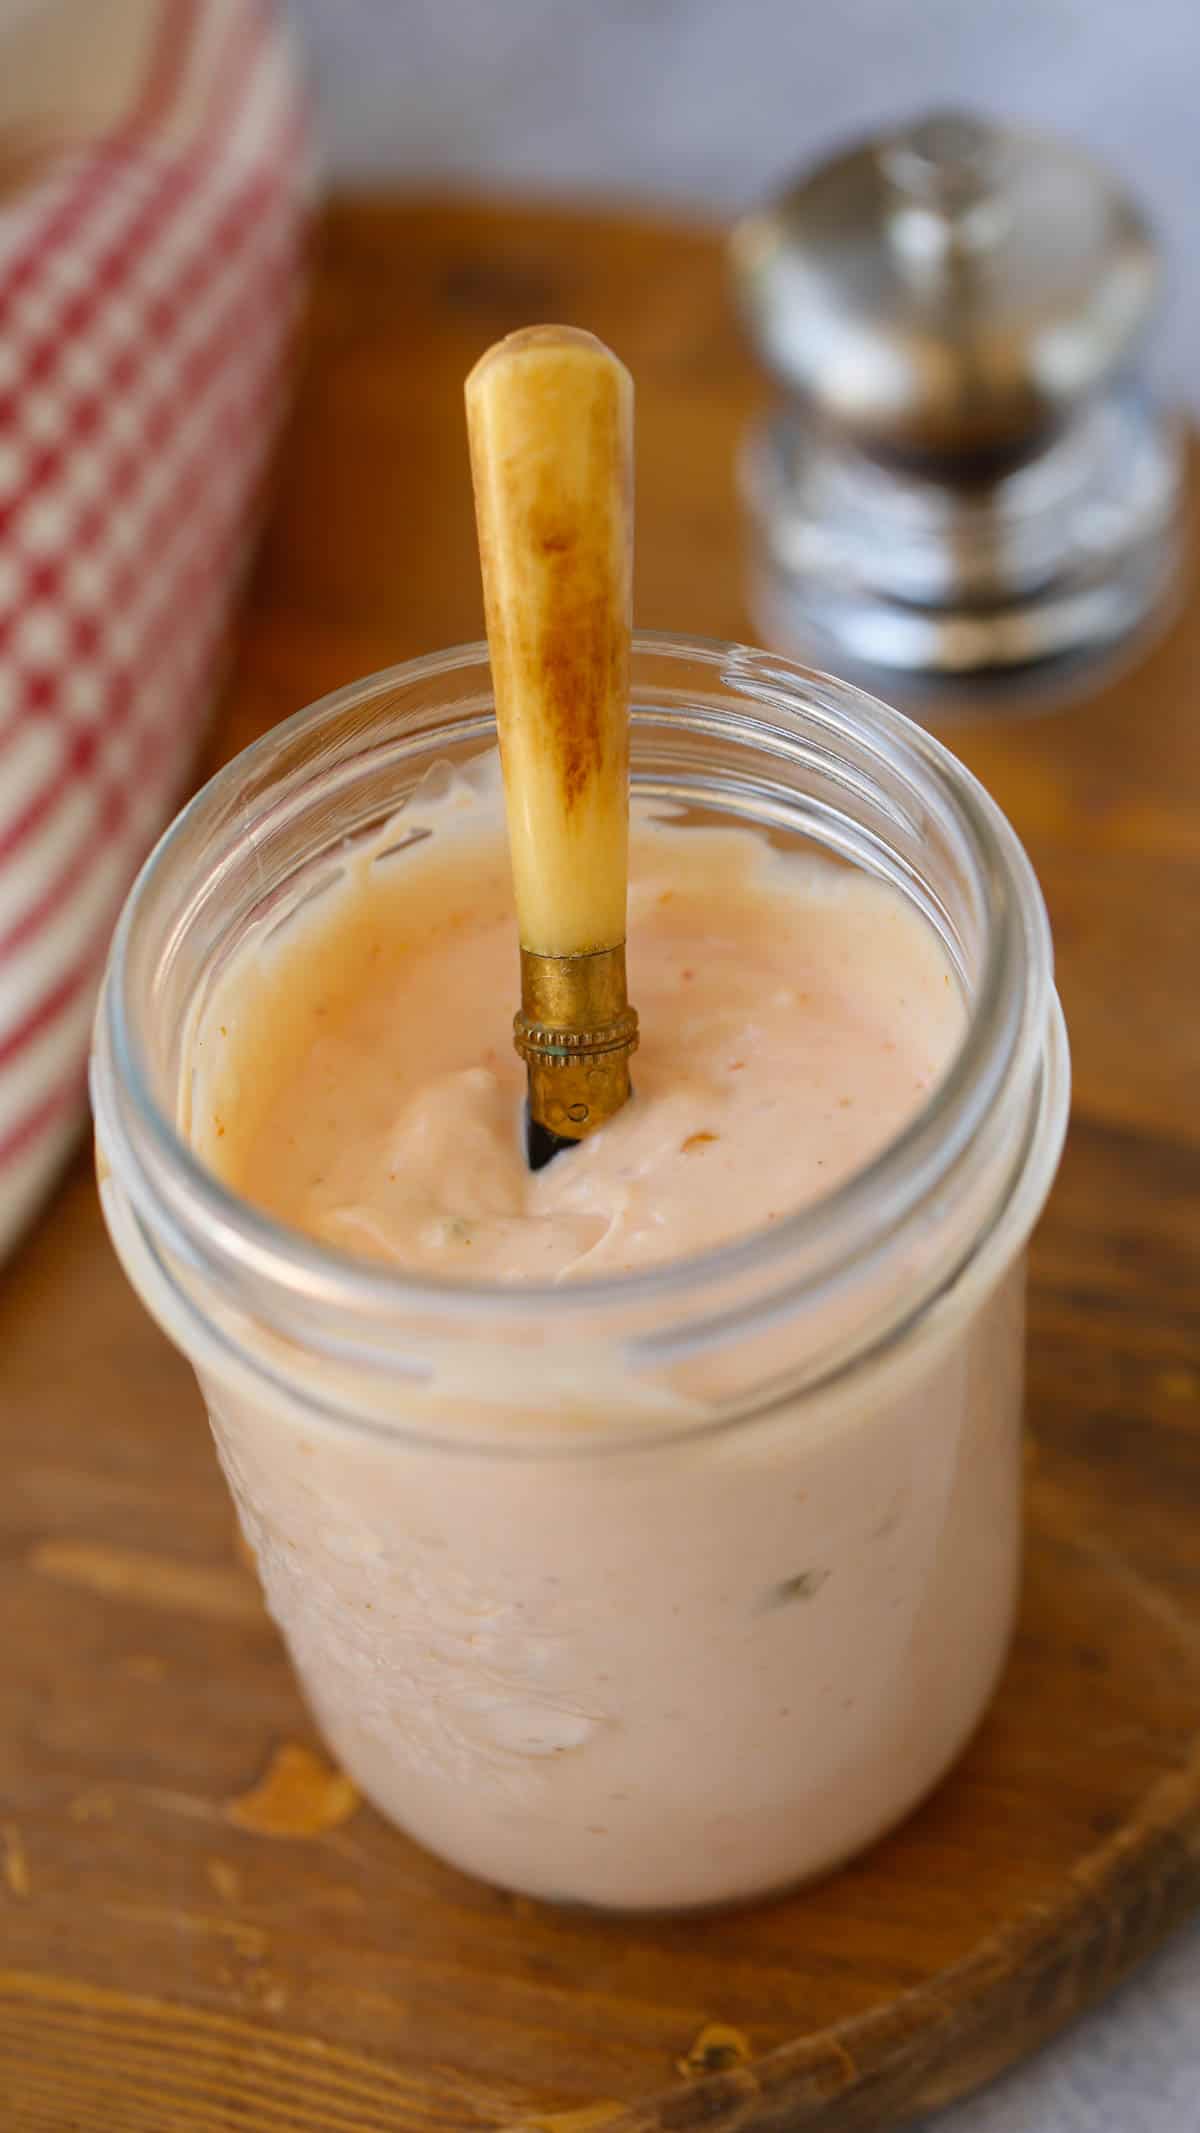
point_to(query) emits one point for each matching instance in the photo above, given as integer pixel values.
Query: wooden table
(167, 1969)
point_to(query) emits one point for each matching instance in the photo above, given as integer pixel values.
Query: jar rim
(901, 1175)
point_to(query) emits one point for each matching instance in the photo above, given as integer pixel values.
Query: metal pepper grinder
(968, 484)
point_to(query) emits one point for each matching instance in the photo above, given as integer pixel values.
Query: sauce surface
(354, 1075)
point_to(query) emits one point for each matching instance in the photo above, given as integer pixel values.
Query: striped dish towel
(154, 177)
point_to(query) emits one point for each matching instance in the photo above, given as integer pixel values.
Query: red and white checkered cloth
(148, 279)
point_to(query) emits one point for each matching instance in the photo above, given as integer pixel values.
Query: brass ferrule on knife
(576, 1032)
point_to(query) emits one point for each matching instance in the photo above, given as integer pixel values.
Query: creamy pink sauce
(795, 1014)
(680, 1673)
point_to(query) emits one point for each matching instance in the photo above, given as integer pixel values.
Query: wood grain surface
(169, 1961)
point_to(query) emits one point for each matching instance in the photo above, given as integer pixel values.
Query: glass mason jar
(653, 1591)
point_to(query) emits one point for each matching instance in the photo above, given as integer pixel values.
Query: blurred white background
(703, 104)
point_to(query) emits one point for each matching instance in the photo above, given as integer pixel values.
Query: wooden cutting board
(169, 1969)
